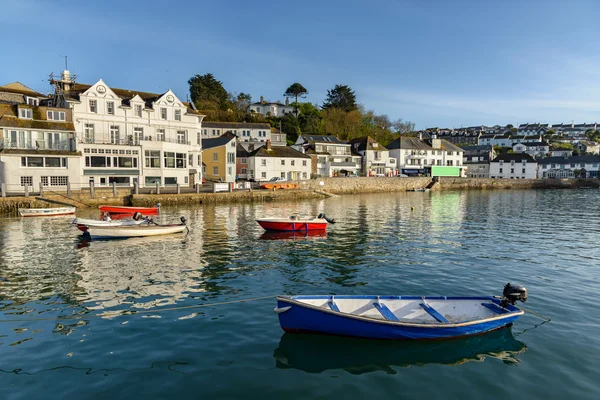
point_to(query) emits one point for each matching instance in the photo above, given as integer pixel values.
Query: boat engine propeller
(329, 220)
(513, 293)
(137, 215)
(183, 220)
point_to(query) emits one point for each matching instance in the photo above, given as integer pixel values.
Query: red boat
(130, 210)
(295, 223)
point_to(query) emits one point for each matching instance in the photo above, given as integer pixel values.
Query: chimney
(287, 101)
(251, 147)
(66, 80)
(262, 99)
(420, 135)
(268, 145)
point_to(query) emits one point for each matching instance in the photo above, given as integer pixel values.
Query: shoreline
(314, 188)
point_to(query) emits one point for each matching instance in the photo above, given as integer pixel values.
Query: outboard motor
(512, 293)
(137, 215)
(329, 220)
(183, 220)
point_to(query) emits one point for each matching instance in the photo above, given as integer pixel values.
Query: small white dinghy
(44, 212)
(128, 231)
(83, 223)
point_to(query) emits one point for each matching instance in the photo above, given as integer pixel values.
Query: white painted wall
(265, 168)
(513, 170)
(11, 172)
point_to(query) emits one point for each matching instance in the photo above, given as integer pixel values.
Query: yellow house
(218, 156)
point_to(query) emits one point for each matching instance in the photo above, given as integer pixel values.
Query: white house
(415, 156)
(271, 109)
(376, 160)
(534, 149)
(569, 167)
(37, 143)
(330, 157)
(513, 166)
(246, 132)
(128, 136)
(268, 162)
(560, 153)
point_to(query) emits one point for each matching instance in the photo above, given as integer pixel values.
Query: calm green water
(450, 244)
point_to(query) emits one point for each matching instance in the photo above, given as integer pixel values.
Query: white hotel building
(127, 136)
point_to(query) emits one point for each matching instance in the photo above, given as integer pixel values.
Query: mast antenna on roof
(66, 63)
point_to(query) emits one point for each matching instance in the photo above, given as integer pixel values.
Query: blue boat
(399, 317)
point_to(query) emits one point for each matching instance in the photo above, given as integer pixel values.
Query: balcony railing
(134, 141)
(64, 145)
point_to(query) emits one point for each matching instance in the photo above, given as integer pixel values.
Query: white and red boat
(130, 210)
(295, 223)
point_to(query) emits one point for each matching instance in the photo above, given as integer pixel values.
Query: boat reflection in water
(282, 235)
(318, 353)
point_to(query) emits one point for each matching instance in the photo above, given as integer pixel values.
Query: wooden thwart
(433, 312)
(386, 312)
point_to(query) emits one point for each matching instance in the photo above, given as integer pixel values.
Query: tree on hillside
(296, 91)
(310, 118)
(342, 97)
(241, 102)
(207, 93)
(403, 127)
(291, 126)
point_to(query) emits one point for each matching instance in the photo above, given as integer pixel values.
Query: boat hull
(129, 210)
(122, 232)
(44, 212)
(292, 225)
(302, 318)
(83, 224)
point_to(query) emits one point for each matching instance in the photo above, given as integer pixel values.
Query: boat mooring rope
(534, 313)
(119, 313)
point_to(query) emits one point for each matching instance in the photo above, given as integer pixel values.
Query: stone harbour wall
(315, 188)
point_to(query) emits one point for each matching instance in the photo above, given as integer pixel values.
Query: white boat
(42, 212)
(84, 223)
(128, 231)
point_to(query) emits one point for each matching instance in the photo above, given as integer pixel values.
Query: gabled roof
(19, 88)
(571, 160)
(366, 143)
(126, 95)
(321, 139)
(514, 157)
(278, 152)
(218, 141)
(481, 147)
(410, 143)
(236, 125)
(241, 152)
(533, 144)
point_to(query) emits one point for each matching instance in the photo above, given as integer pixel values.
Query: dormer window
(177, 115)
(32, 101)
(56, 115)
(138, 110)
(25, 113)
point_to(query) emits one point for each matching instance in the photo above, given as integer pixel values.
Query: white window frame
(110, 107)
(93, 104)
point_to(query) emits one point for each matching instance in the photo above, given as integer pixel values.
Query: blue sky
(436, 63)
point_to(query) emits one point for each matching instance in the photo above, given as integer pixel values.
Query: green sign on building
(445, 171)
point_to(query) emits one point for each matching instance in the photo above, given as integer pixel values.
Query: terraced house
(330, 157)
(376, 160)
(427, 157)
(37, 142)
(220, 158)
(128, 136)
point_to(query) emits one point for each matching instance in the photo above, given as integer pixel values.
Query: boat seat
(332, 305)
(495, 308)
(386, 312)
(433, 312)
